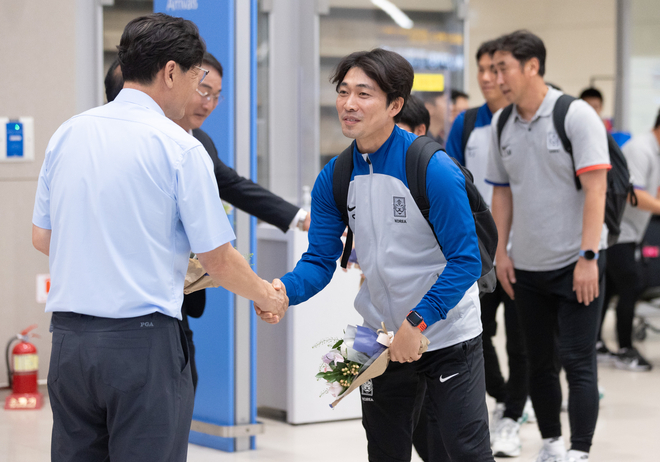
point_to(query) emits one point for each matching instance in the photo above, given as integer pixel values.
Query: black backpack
(418, 156)
(619, 187)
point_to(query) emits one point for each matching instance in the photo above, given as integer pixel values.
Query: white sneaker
(505, 439)
(577, 456)
(553, 450)
(529, 416)
(495, 418)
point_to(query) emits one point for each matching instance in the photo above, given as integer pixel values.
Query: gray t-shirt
(643, 156)
(547, 207)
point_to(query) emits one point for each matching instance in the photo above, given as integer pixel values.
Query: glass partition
(428, 34)
(644, 66)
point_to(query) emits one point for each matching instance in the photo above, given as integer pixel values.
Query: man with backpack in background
(469, 143)
(552, 269)
(624, 272)
(417, 280)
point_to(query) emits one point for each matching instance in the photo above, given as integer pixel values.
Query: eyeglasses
(204, 73)
(217, 99)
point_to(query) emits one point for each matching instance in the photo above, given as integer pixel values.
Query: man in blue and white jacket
(414, 282)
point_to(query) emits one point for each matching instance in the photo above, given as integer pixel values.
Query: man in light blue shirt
(124, 195)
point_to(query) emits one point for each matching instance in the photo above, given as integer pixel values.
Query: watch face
(589, 254)
(414, 318)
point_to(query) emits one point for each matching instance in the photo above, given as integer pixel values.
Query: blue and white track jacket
(405, 268)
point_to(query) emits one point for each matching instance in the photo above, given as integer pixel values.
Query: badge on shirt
(554, 143)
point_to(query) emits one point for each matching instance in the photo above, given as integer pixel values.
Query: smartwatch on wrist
(415, 319)
(589, 254)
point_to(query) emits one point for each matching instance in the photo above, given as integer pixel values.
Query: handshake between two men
(228, 268)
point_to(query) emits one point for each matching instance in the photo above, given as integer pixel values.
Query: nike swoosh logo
(444, 379)
(351, 209)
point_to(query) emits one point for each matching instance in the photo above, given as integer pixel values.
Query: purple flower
(333, 356)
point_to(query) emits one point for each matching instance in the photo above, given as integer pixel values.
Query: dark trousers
(453, 380)
(623, 277)
(513, 393)
(193, 305)
(120, 389)
(191, 346)
(554, 323)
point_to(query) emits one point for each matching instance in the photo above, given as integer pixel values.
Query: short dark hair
(393, 74)
(414, 113)
(149, 42)
(657, 121)
(211, 61)
(455, 94)
(489, 47)
(114, 81)
(523, 45)
(591, 92)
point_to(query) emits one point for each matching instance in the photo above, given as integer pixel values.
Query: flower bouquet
(360, 356)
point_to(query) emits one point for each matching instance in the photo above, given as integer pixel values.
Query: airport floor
(627, 429)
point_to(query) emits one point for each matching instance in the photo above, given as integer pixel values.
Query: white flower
(335, 389)
(344, 349)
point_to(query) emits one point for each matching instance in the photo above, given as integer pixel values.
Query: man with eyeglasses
(123, 197)
(234, 189)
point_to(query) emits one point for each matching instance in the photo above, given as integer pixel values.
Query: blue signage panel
(15, 139)
(214, 331)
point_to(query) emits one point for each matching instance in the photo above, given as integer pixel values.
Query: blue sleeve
(453, 223)
(317, 266)
(454, 145)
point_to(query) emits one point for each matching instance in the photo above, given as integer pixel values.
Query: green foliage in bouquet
(337, 369)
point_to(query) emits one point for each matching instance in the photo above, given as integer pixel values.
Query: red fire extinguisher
(23, 373)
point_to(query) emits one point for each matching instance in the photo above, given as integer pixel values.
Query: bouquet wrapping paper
(377, 367)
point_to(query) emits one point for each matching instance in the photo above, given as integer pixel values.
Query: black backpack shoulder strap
(341, 180)
(504, 116)
(559, 121)
(418, 156)
(469, 121)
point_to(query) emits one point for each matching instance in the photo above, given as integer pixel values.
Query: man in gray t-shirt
(623, 275)
(552, 270)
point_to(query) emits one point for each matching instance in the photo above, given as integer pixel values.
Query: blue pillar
(215, 333)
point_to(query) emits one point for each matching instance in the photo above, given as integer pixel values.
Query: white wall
(38, 80)
(579, 35)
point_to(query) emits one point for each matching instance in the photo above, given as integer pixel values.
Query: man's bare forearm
(594, 184)
(228, 267)
(646, 201)
(41, 239)
(502, 210)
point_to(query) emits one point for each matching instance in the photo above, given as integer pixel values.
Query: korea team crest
(399, 207)
(367, 388)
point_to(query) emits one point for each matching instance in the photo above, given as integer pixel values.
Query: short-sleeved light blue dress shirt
(127, 194)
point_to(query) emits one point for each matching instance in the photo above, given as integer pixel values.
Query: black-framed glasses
(215, 99)
(205, 72)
